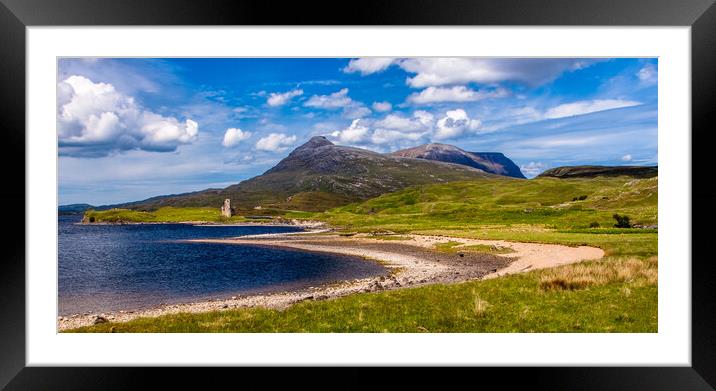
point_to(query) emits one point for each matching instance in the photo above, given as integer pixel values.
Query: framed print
(220, 186)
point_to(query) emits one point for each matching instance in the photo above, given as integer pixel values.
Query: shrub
(91, 219)
(580, 198)
(622, 221)
(593, 224)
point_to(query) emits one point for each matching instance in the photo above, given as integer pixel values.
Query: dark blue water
(112, 267)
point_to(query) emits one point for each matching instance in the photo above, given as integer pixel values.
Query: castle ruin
(226, 210)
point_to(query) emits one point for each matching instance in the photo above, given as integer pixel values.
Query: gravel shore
(412, 262)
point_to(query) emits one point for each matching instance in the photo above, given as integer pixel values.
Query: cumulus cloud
(387, 136)
(401, 130)
(587, 106)
(356, 133)
(368, 65)
(339, 100)
(281, 98)
(275, 142)
(332, 101)
(456, 123)
(382, 106)
(356, 110)
(454, 94)
(95, 120)
(443, 71)
(234, 136)
(627, 158)
(392, 129)
(533, 169)
(446, 71)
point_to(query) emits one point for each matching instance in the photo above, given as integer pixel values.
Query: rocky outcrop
(595, 171)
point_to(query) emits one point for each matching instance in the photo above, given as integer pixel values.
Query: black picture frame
(700, 15)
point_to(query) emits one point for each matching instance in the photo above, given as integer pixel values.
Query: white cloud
(368, 65)
(339, 100)
(95, 120)
(399, 130)
(455, 124)
(533, 169)
(385, 136)
(648, 74)
(393, 129)
(587, 106)
(448, 71)
(627, 158)
(281, 98)
(397, 122)
(356, 110)
(382, 106)
(454, 94)
(234, 136)
(275, 142)
(356, 133)
(336, 100)
(425, 118)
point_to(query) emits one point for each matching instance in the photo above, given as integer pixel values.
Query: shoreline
(411, 262)
(290, 223)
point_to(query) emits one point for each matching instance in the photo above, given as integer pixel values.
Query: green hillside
(542, 202)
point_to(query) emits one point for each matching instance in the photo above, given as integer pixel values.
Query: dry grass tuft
(480, 306)
(638, 272)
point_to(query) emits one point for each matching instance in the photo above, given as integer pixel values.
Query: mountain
(319, 175)
(594, 171)
(73, 209)
(492, 162)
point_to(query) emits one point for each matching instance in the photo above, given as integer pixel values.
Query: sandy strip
(411, 262)
(530, 256)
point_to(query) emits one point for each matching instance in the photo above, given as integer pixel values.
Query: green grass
(615, 294)
(543, 202)
(162, 215)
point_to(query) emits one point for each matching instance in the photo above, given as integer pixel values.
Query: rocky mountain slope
(492, 162)
(606, 171)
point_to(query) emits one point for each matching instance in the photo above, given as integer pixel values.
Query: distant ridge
(595, 171)
(71, 209)
(492, 162)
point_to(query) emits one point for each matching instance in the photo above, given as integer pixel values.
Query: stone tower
(226, 208)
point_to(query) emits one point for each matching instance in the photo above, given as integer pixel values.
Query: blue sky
(129, 129)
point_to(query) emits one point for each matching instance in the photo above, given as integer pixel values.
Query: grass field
(615, 294)
(162, 215)
(543, 202)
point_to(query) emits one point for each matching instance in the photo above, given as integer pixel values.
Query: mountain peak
(438, 147)
(315, 142)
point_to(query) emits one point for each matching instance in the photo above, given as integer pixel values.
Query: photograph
(357, 194)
